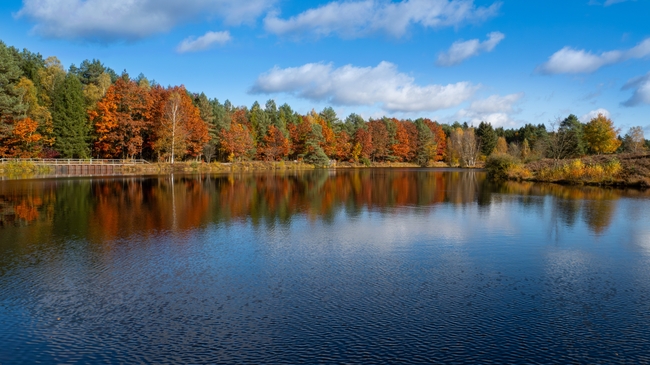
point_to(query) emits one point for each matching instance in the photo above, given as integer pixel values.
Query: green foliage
(353, 123)
(426, 145)
(329, 116)
(487, 137)
(575, 136)
(11, 105)
(498, 165)
(71, 125)
(317, 158)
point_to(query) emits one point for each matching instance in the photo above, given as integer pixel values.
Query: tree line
(91, 111)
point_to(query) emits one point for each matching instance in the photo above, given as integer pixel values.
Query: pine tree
(487, 137)
(71, 126)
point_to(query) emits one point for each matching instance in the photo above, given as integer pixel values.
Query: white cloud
(593, 114)
(461, 51)
(351, 85)
(607, 2)
(641, 86)
(354, 19)
(204, 42)
(116, 20)
(496, 110)
(569, 60)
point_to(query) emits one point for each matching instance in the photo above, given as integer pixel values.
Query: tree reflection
(107, 209)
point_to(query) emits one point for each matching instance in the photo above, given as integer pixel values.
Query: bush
(497, 166)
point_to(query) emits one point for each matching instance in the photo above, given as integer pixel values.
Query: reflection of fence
(76, 166)
(73, 161)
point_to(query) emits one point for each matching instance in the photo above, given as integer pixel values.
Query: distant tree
(601, 136)
(634, 140)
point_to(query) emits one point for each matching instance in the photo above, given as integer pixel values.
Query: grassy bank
(625, 170)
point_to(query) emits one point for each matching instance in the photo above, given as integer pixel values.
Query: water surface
(353, 266)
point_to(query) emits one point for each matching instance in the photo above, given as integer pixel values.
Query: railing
(73, 161)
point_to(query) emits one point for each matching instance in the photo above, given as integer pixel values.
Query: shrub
(497, 166)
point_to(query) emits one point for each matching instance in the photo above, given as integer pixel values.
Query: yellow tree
(601, 136)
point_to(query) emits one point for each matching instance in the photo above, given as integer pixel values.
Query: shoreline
(616, 170)
(20, 171)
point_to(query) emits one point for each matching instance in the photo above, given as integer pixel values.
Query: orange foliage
(25, 138)
(236, 142)
(343, 146)
(439, 138)
(275, 145)
(121, 119)
(402, 147)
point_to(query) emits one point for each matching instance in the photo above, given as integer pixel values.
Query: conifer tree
(71, 126)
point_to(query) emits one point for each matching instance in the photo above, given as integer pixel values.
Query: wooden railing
(73, 161)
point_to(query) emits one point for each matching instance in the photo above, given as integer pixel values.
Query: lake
(369, 266)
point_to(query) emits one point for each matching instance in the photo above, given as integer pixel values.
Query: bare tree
(635, 140)
(470, 148)
(559, 144)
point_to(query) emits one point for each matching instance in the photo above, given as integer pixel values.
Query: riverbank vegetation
(88, 111)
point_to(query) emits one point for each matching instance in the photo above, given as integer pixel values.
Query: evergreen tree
(272, 115)
(426, 146)
(487, 137)
(574, 133)
(259, 121)
(329, 115)
(71, 126)
(353, 123)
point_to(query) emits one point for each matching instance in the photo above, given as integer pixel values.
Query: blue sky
(508, 62)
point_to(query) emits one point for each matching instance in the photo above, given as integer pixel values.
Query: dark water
(364, 267)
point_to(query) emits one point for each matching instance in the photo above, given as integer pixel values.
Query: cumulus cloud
(204, 42)
(569, 60)
(117, 20)
(641, 86)
(593, 114)
(351, 85)
(463, 50)
(355, 19)
(496, 110)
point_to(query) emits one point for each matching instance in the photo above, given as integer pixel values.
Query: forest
(90, 111)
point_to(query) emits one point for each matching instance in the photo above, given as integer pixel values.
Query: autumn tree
(502, 146)
(439, 139)
(179, 129)
(402, 146)
(275, 145)
(121, 119)
(380, 140)
(236, 142)
(601, 136)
